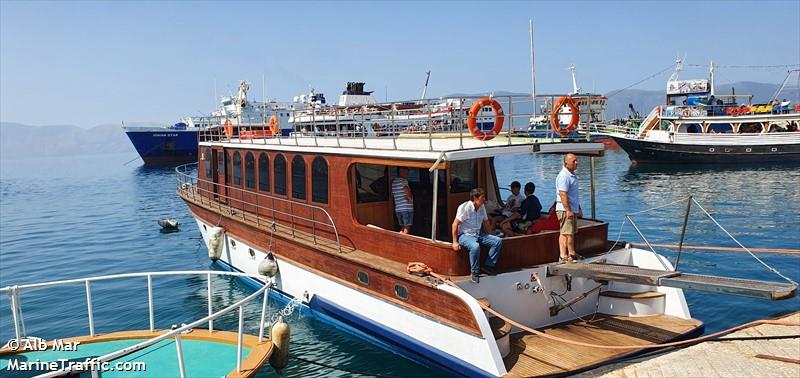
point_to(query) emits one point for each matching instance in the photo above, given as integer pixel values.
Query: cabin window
(372, 183)
(207, 162)
(401, 292)
(263, 172)
(220, 163)
(279, 169)
(363, 278)
(463, 176)
(250, 171)
(298, 177)
(237, 168)
(319, 180)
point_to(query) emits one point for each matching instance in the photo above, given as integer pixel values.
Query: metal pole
(263, 313)
(181, 368)
(150, 301)
(510, 118)
(210, 321)
(89, 307)
(12, 296)
(683, 232)
(594, 215)
(435, 202)
(239, 341)
(646, 242)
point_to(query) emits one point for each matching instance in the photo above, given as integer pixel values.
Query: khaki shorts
(568, 226)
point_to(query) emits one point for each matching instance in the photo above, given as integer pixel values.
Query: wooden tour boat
(319, 204)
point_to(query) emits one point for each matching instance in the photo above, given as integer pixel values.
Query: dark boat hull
(165, 147)
(641, 151)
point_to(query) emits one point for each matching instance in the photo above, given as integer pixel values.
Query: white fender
(215, 237)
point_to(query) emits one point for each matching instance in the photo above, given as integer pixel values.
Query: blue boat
(174, 144)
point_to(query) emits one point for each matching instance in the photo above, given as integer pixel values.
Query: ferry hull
(165, 147)
(642, 151)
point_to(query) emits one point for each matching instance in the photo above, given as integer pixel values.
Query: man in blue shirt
(568, 208)
(471, 229)
(529, 211)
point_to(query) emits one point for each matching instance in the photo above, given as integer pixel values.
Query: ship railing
(439, 125)
(266, 210)
(20, 332)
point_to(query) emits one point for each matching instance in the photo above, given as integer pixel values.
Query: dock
(740, 356)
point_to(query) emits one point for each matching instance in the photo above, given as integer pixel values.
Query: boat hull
(643, 151)
(164, 147)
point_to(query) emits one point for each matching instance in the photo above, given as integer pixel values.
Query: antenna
(678, 68)
(425, 89)
(711, 77)
(533, 70)
(575, 89)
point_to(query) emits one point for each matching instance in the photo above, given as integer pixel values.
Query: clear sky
(89, 63)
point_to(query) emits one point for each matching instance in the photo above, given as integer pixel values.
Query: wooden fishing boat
(320, 206)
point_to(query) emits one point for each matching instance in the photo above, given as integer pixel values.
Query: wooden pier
(740, 356)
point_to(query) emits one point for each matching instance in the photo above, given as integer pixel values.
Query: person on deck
(529, 212)
(472, 229)
(511, 206)
(568, 208)
(403, 200)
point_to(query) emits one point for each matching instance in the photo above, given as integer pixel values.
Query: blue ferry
(177, 143)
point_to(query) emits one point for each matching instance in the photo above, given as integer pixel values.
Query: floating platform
(738, 356)
(206, 354)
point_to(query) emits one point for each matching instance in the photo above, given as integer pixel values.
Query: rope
(747, 67)
(640, 81)
(773, 270)
(728, 249)
(781, 322)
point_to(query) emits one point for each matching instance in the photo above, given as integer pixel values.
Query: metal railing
(430, 120)
(189, 186)
(19, 323)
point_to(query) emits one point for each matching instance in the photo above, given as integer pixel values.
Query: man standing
(472, 229)
(568, 208)
(403, 200)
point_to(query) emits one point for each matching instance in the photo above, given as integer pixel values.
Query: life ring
(573, 120)
(686, 112)
(472, 123)
(228, 128)
(274, 126)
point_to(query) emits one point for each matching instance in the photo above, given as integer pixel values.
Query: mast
(575, 89)
(425, 89)
(533, 70)
(711, 78)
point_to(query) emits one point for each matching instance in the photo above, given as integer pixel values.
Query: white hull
(445, 345)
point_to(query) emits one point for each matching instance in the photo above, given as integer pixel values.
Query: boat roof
(416, 148)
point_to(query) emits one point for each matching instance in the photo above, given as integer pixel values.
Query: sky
(92, 63)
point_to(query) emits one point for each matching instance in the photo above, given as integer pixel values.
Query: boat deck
(533, 355)
(205, 354)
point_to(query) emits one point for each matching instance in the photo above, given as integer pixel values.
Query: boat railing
(268, 209)
(439, 125)
(14, 294)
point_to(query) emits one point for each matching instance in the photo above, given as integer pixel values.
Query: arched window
(249, 171)
(237, 168)
(279, 169)
(298, 177)
(319, 180)
(263, 172)
(207, 162)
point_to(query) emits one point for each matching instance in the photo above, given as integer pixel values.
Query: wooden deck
(533, 355)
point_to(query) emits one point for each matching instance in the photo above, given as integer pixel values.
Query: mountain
(20, 141)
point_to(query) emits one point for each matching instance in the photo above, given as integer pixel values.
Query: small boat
(318, 207)
(699, 126)
(185, 351)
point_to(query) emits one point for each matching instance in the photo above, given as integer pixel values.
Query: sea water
(73, 217)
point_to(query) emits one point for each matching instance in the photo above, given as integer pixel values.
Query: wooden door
(219, 168)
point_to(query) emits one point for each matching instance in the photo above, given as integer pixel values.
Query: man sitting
(530, 211)
(472, 229)
(511, 206)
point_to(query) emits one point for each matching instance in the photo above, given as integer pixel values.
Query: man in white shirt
(472, 229)
(568, 208)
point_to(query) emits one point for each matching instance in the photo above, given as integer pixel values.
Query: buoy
(169, 223)
(268, 267)
(215, 236)
(280, 342)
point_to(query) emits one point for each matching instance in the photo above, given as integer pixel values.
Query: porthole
(774, 149)
(401, 292)
(748, 149)
(711, 149)
(363, 278)
(727, 150)
(233, 244)
(252, 253)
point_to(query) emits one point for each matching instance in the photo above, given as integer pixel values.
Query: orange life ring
(574, 118)
(472, 123)
(228, 128)
(274, 126)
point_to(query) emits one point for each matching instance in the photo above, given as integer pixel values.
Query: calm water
(74, 217)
